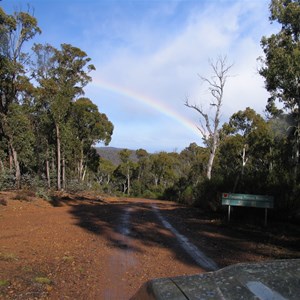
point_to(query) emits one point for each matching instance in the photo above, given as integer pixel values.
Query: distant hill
(112, 154)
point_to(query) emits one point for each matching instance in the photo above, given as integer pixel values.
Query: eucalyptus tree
(44, 126)
(105, 171)
(15, 31)
(249, 142)
(91, 127)
(20, 130)
(281, 67)
(211, 127)
(143, 162)
(163, 167)
(62, 75)
(126, 168)
(193, 159)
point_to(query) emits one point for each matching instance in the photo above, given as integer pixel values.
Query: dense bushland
(48, 129)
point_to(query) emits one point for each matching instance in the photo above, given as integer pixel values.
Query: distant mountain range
(112, 154)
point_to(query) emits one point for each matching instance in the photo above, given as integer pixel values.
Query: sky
(150, 55)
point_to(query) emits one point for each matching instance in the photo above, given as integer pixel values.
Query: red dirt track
(91, 247)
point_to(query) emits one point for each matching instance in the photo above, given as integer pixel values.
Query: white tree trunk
(58, 150)
(63, 172)
(17, 166)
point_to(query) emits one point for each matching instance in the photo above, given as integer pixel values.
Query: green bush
(44, 194)
(7, 180)
(149, 194)
(208, 194)
(187, 196)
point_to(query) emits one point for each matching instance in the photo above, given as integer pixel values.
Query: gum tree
(91, 127)
(63, 80)
(15, 31)
(281, 68)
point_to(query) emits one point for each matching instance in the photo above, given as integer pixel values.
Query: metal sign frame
(248, 200)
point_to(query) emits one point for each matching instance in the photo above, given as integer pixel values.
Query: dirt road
(139, 244)
(91, 247)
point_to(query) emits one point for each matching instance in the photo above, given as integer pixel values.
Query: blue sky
(149, 54)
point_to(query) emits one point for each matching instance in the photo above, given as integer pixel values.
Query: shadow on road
(225, 243)
(142, 226)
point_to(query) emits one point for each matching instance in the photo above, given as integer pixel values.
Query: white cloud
(157, 48)
(170, 72)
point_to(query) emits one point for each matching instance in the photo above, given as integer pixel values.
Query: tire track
(198, 256)
(121, 258)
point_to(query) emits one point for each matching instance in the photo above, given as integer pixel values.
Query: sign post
(248, 200)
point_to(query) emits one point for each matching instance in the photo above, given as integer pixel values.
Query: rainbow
(144, 99)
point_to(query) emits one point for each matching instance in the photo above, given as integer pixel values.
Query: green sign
(247, 200)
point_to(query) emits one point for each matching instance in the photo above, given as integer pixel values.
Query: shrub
(208, 194)
(149, 194)
(7, 180)
(42, 193)
(187, 196)
(24, 195)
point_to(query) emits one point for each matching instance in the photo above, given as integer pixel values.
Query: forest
(49, 130)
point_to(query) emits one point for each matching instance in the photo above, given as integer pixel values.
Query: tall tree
(105, 171)
(15, 31)
(66, 76)
(210, 131)
(252, 143)
(163, 168)
(126, 167)
(91, 127)
(281, 66)
(43, 122)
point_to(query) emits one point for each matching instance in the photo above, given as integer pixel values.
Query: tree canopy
(49, 130)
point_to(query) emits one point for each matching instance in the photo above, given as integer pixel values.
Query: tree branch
(200, 111)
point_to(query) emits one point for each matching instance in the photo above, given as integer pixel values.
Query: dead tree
(210, 129)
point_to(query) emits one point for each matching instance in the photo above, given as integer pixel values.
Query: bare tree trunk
(84, 173)
(241, 174)
(78, 171)
(17, 166)
(296, 152)
(1, 166)
(11, 161)
(244, 160)
(48, 173)
(58, 154)
(210, 131)
(212, 156)
(271, 160)
(52, 161)
(64, 172)
(128, 182)
(48, 169)
(80, 166)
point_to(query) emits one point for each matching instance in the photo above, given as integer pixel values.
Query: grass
(4, 283)
(42, 280)
(27, 268)
(8, 257)
(24, 195)
(68, 258)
